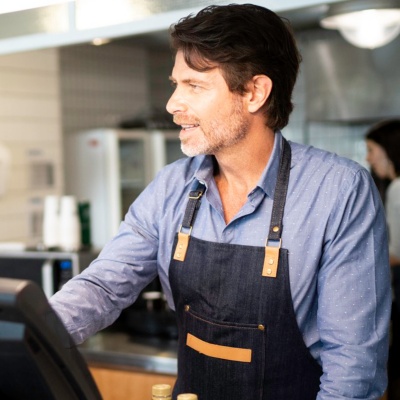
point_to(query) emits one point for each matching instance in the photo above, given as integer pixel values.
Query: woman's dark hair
(387, 134)
(243, 40)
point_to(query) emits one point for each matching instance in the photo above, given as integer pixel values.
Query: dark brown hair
(243, 40)
(387, 134)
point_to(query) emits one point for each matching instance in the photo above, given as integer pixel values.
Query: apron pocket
(222, 360)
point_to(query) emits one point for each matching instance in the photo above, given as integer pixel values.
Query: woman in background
(383, 146)
(383, 155)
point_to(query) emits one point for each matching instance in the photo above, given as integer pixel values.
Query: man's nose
(175, 103)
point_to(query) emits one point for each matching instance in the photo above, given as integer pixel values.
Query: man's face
(212, 118)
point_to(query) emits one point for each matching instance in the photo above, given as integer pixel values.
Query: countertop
(116, 349)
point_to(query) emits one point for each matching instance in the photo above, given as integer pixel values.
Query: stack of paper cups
(69, 226)
(51, 222)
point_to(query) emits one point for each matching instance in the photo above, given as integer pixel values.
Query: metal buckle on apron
(271, 260)
(195, 195)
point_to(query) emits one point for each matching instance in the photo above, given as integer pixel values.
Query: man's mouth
(188, 126)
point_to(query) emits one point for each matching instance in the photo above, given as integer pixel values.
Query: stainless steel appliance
(49, 269)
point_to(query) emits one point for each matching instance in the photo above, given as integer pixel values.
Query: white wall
(30, 127)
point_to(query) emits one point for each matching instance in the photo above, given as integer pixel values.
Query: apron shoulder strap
(275, 229)
(188, 220)
(271, 257)
(193, 204)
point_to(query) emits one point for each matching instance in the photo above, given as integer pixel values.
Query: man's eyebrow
(187, 80)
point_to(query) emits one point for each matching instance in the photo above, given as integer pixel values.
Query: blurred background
(88, 65)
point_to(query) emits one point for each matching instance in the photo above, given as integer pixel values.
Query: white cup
(51, 221)
(69, 227)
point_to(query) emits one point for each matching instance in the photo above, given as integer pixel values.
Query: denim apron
(238, 335)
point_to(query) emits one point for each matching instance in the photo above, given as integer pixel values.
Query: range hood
(346, 83)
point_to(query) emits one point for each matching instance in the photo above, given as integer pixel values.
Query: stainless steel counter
(121, 350)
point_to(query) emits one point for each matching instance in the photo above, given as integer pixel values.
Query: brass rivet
(187, 308)
(275, 228)
(269, 271)
(261, 327)
(270, 261)
(180, 246)
(178, 254)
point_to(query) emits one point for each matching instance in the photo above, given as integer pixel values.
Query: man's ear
(258, 91)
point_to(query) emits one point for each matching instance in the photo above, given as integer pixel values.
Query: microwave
(49, 269)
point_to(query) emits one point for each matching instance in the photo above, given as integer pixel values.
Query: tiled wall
(100, 86)
(30, 128)
(160, 68)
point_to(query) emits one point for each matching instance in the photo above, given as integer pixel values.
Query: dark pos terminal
(38, 359)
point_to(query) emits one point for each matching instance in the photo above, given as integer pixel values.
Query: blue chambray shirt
(333, 226)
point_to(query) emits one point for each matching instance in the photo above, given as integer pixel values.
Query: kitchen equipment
(49, 269)
(51, 222)
(348, 84)
(110, 167)
(149, 315)
(70, 228)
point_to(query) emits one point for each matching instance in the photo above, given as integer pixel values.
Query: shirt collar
(268, 178)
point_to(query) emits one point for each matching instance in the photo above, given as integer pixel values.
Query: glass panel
(132, 163)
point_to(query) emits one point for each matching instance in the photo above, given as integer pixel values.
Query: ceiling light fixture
(100, 41)
(365, 23)
(20, 5)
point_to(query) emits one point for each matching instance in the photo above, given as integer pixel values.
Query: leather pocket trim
(218, 351)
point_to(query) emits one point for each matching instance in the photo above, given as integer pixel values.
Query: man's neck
(240, 168)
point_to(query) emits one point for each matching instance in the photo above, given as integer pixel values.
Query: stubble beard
(216, 136)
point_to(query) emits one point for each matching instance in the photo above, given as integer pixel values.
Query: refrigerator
(108, 168)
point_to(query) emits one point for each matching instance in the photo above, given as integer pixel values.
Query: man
(274, 255)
